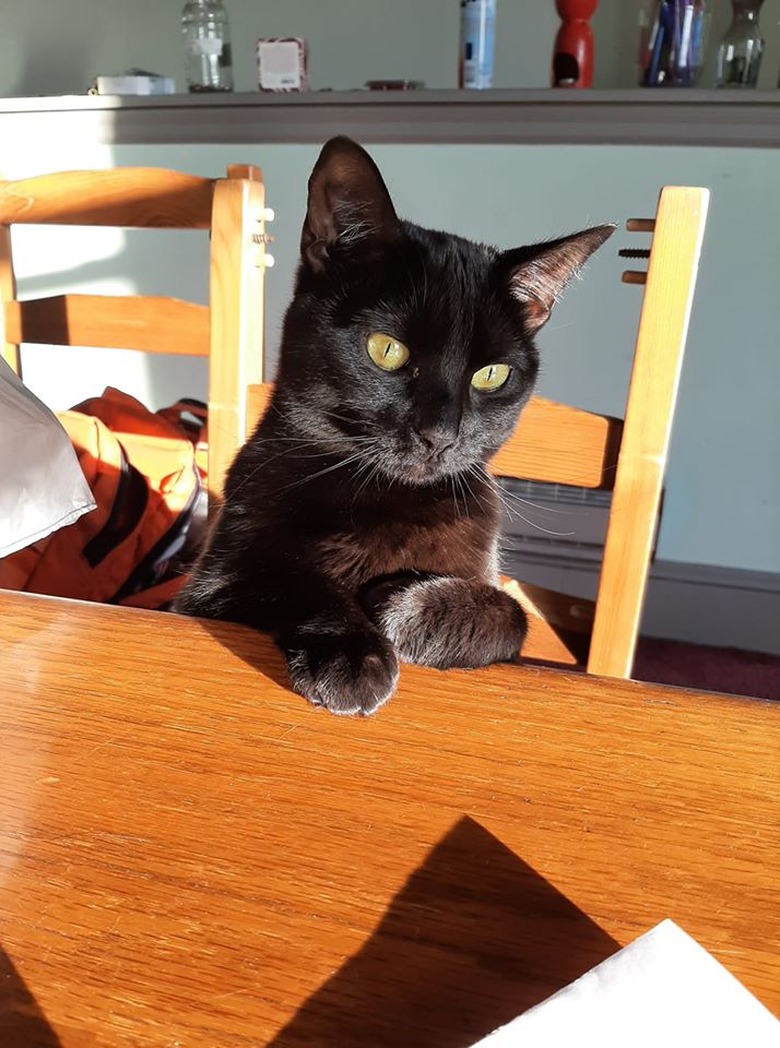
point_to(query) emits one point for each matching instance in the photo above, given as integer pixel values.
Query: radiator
(553, 522)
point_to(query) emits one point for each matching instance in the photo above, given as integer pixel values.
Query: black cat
(359, 524)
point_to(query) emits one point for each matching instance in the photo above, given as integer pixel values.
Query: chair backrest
(565, 445)
(630, 456)
(229, 331)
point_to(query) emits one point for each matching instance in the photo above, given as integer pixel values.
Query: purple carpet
(709, 669)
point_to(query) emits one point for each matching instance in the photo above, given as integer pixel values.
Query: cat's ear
(537, 275)
(349, 206)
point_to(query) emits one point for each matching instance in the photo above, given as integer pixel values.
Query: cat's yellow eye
(386, 352)
(492, 377)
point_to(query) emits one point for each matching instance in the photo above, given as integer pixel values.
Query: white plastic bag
(42, 487)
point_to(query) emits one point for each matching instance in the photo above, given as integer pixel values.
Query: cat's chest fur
(462, 547)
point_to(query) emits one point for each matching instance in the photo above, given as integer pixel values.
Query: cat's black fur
(359, 525)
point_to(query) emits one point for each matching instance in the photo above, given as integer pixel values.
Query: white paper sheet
(664, 991)
(42, 487)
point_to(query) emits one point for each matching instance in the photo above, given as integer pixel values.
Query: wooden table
(191, 856)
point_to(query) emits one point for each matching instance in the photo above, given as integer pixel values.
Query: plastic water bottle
(208, 56)
(477, 43)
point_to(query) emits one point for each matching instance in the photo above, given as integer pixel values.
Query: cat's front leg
(336, 657)
(446, 622)
(339, 660)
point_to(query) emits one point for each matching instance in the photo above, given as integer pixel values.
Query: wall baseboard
(697, 603)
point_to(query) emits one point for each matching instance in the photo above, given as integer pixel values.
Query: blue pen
(697, 32)
(653, 46)
(661, 40)
(684, 63)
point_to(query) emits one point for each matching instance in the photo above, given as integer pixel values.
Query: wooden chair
(564, 445)
(229, 331)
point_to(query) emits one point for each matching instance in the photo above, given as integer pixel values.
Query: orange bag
(143, 469)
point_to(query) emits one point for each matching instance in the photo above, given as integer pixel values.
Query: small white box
(282, 64)
(133, 84)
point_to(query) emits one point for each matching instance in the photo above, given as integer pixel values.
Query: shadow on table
(474, 938)
(252, 647)
(22, 1023)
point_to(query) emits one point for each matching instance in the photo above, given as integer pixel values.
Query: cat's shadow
(22, 1023)
(474, 938)
(255, 649)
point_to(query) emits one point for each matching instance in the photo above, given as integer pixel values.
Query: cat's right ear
(349, 209)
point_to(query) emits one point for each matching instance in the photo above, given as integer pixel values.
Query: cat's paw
(347, 673)
(449, 622)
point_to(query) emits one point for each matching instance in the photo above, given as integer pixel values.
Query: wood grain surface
(236, 286)
(149, 198)
(148, 323)
(655, 378)
(191, 856)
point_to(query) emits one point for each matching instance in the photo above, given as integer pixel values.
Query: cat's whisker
(533, 523)
(339, 418)
(458, 481)
(368, 467)
(482, 502)
(481, 474)
(534, 505)
(341, 439)
(509, 510)
(454, 496)
(463, 484)
(260, 465)
(376, 475)
(321, 473)
(330, 452)
(291, 419)
(503, 491)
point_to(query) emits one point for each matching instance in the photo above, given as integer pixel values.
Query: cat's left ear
(537, 275)
(349, 210)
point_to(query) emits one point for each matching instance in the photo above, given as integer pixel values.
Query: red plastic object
(572, 64)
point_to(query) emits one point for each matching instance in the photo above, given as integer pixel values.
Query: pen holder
(672, 40)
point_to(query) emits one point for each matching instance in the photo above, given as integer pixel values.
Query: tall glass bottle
(740, 50)
(208, 56)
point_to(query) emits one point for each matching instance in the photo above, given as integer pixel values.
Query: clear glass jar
(672, 40)
(742, 47)
(208, 55)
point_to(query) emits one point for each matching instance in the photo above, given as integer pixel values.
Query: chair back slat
(122, 197)
(150, 324)
(561, 445)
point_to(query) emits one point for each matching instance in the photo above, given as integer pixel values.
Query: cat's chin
(422, 474)
(419, 477)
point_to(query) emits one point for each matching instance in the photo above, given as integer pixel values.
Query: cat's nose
(435, 440)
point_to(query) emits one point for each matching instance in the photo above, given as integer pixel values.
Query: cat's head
(410, 348)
